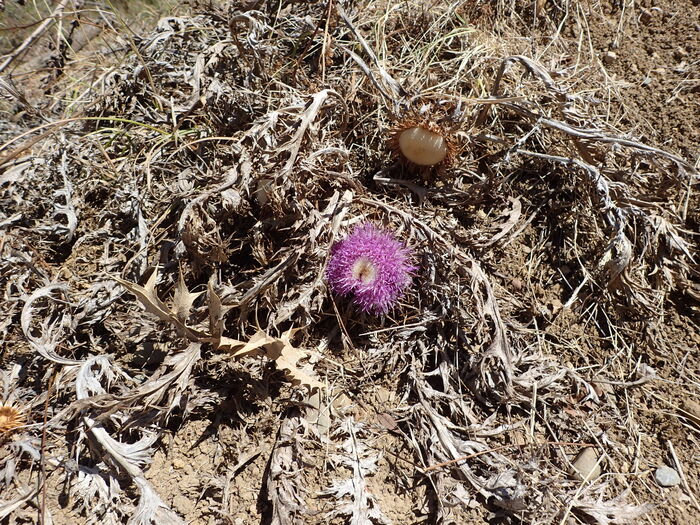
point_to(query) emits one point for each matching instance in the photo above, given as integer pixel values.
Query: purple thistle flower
(371, 265)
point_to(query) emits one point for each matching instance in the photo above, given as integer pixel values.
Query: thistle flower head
(10, 418)
(372, 266)
(422, 142)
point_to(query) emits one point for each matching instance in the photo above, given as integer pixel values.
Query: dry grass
(203, 178)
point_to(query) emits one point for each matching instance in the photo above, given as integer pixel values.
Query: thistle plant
(371, 266)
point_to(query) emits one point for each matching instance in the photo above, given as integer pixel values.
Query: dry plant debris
(10, 418)
(166, 226)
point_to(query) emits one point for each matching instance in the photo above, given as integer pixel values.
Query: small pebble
(691, 410)
(610, 57)
(586, 466)
(648, 14)
(680, 53)
(667, 477)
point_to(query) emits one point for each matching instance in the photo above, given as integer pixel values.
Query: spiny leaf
(148, 297)
(183, 300)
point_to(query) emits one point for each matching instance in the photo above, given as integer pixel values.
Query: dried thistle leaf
(51, 331)
(505, 227)
(286, 494)
(353, 497)
(611, 512)
(280, 350)
(183, 300)
(148, 297)
(308, 114)
(127, 456)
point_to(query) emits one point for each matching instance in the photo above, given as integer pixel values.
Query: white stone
(667, 477)
(586, 465)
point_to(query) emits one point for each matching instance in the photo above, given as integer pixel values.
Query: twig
(326, 40)
(34, 36)
(42, 479)
(597, 135)
(496, 449)
(625, 384)
(679, 468)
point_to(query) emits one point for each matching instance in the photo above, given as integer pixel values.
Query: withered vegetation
(166, 221)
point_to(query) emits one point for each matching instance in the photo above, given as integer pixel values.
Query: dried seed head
(10, 418)
(422, 146)
(422, 143)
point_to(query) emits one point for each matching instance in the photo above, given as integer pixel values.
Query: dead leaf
(513, 216)
(183, 300)
(281, 351)
(216, 311)
(148, 297)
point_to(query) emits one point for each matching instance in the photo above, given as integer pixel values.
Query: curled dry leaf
(279, 349)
